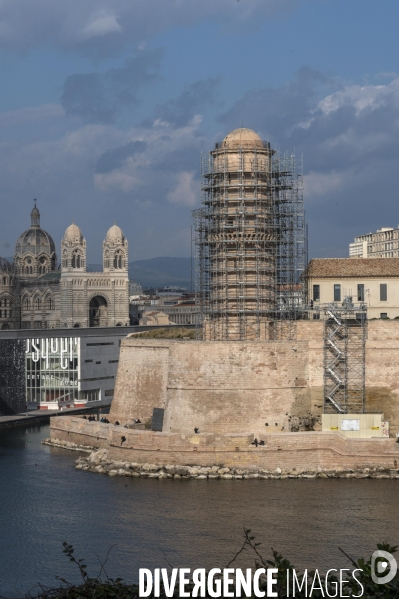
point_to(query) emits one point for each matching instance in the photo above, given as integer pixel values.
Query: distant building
(36, 293)
(135, 288)
(372, 282)
(382, 244)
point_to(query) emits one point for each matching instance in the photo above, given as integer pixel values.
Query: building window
(37, 303)
(337, 293)
(360, 292)
(383, 292)
(316, 293)
(49, 303)
(383, 315)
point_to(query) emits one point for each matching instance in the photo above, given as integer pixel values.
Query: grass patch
(166, 333)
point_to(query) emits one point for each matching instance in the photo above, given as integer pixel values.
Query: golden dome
(242, 137)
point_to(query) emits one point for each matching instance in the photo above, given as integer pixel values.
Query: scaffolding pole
(250, 244)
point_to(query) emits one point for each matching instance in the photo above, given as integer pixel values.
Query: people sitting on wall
(91, 418)
(137, 421)
(261, 442)
(123, 439)
(255, 442)
(106, 421)
(197, 431)
(84, 417)
(116, 422)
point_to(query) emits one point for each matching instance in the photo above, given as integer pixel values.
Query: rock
(215, 468)
(203, 471)
(242, 472)
(169, 475)
(135, 474)
(262, 476)
(177, 476)
(238, 476)
(162, 475)
(321, 475)
(150, 468)
(182, 470)
(284, 476)
(153, 475)
(112, 473)
(278, 470)
(202, 476)
(223, 471)
(226, 476)
(308, 475)
(79, 467)
(214, 476)
(193, 471)
(170, 469)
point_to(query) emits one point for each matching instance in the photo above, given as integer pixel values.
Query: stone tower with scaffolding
(250, 239)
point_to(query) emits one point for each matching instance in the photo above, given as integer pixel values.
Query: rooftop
(352, 267)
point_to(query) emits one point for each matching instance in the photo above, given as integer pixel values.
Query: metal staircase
(344, 358)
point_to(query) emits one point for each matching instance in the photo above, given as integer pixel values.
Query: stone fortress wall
(238, 387)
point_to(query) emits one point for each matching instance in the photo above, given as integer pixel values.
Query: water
(45, 501)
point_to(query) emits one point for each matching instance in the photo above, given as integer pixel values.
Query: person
(261, 442)
(137, 421)
(255, 442)
(84, 416)
(197, 430)
(106, 420)
(116, 423)
(123, 439)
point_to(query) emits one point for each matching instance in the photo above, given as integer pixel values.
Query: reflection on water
(45, 501)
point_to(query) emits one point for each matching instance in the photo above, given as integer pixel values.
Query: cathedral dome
(35, 240)
(5, 266)
(73, 233)
(242, 138)
(115, 233)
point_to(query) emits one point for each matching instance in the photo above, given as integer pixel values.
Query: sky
(106, 106)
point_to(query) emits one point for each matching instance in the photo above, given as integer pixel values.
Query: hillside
(158, 272)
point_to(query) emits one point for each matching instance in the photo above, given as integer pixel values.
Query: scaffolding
(250, 243)
(344, 358)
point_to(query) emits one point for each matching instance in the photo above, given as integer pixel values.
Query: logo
(383, 567)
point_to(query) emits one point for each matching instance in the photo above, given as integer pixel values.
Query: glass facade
(51, 367)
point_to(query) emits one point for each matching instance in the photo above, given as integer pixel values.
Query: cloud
(186, 192)
(179, 111)
(348, 136)
(101, 28)
(100, 97)
(114, 159)
(31, 114)
(102, 23)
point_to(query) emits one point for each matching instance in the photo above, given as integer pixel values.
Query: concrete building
(37, 293)
(372, 282)
(382, 244)
(59, 368)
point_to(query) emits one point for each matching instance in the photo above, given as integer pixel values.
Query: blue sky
(106, 106)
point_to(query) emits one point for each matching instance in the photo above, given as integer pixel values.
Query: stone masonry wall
(306, 451)
(237, 387)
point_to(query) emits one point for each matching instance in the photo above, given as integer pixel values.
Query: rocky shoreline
(99, 461)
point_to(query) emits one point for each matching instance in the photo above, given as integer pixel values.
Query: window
(384, 315)
(337, 293)
(49, 303)
(37, 303)
(360, 292)
(26, 303)
(383, 292)
(316, 293)
(109, 392)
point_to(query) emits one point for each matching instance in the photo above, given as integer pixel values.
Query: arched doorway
(98, 311)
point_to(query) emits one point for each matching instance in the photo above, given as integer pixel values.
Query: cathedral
(38, 293)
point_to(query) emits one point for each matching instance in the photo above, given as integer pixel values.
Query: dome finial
(35, 216)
